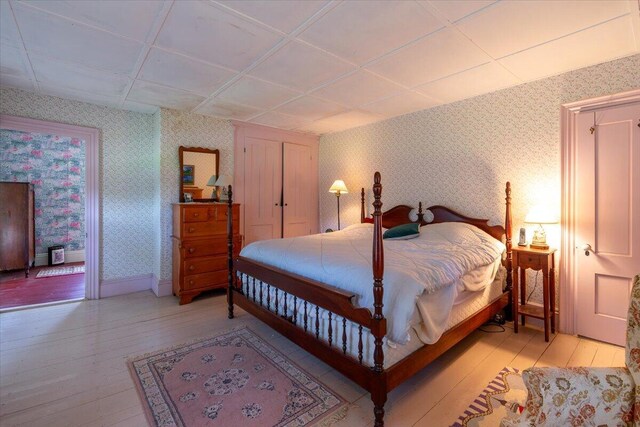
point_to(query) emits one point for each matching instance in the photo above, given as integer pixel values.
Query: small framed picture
(188, 174)
(188, 197)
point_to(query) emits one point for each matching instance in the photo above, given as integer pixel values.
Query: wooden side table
(540, 260)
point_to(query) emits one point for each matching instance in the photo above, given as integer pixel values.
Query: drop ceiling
(312, 66)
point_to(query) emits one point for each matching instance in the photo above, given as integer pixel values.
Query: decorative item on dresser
(17, 227)
(200, 247)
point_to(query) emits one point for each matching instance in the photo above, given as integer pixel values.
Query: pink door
(263, 186)
(608, 219)
(297, 190)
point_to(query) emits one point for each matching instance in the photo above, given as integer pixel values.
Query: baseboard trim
(162, 288)
(126, 285)
(69, 256)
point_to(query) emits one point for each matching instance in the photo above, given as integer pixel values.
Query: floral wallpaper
(461, 154)
(55, 165)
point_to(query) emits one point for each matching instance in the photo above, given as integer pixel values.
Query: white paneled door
(608, 219)
(296, 190)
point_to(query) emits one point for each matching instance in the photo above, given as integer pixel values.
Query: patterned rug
(233, 379)
(60, 271)
(503, 397)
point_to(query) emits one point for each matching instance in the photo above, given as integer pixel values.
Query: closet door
(297, 192)
(263, 187)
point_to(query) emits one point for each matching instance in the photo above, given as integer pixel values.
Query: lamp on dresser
(223, 182)
(338, 188)
(540, 215)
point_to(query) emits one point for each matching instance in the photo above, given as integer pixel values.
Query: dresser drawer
(530, 261)
(196, 213)
(208, 247)
(205, 264)
(200, 229)
(205, 280)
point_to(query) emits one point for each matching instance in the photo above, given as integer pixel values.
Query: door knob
(586, 248)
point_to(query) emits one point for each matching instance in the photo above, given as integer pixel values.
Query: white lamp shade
(338, 187)
(541, 215)
(224, 181)
(212, 181)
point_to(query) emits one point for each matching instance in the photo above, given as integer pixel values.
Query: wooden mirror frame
(181, 151)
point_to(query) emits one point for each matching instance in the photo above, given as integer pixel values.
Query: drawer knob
(191, 282)
(530, 259)
(191, 268)
(192, 250)
(191, 229)
(196, 214)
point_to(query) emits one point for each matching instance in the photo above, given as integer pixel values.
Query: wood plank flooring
(64, 365)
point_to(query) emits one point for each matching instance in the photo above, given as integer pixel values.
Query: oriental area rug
(60, 271)
(233, 379)
(503, 397)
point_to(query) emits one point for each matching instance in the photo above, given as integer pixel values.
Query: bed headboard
(399, 215)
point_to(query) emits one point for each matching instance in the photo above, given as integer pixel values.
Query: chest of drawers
(200, 247)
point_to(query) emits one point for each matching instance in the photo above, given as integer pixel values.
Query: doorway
(601, 204)
(66, 208)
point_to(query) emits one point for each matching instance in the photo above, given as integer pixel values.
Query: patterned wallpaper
(191, 130)
(461, 154)
(128, 175)
(55, 166)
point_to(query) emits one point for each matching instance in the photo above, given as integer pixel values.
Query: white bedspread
(438, 258)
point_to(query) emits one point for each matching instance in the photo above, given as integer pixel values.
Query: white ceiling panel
(74, 42)
(360, 34)
(278, 120)
(402, 103)
(249, 91)
(483, 79)
(8, 31)
(317, 128)
(455, 10)
(358, 88)
(16, 82)
(77, 95)
(133, 21)
(301, 66)
(512, 26)
(311, 108)
(438, 55)
(349, 119)
(139, 108)
(65, 75)
(284, 15)
(181, 72)
(228, 110)
(208, 33)
(604, 42)
(11, 62)
(163, 96)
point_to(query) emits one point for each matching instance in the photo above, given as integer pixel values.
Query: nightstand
(540, 260)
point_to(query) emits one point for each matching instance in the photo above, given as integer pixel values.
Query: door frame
(568, 145)
(91, 136)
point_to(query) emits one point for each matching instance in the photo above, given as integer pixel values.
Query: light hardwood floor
(65, 365)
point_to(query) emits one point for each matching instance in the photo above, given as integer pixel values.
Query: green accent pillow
(402, 232)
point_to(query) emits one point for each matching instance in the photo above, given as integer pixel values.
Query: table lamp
(540, 215)
(223, 182)
(212, 183)
(338, 188)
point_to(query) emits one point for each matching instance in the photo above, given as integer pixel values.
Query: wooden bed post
(509, 260)
(379, 391)
(362, 205)
(230, 252)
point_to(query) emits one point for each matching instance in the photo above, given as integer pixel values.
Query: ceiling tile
(529, 23)
(454, 10)
(90, 97)
(311, 108)
(65, 75)
(16, 82)
(358, 88)
(360, 32)
(8, 31)
(181, 72)
(438, 55)
(213, 35)
(403, 103)
(476, 81)
(278, 120)
(139, 108)
(317, 128)
(350, 119)
(162, 96)
(300, 66)
(227, 110)
(133, 21)
(74, 42)
(284, 15)
(605, 42)
(256, 93)
(12, 63)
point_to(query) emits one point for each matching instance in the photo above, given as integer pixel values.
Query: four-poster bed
(292, 304)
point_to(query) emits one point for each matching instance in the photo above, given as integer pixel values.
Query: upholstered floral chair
(587, 396)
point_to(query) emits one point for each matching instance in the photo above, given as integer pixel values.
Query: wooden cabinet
(200, 247)
(17, 228)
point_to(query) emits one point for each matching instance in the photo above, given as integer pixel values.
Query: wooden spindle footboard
(323, 320)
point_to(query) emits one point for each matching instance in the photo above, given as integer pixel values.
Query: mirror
(197, 167)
